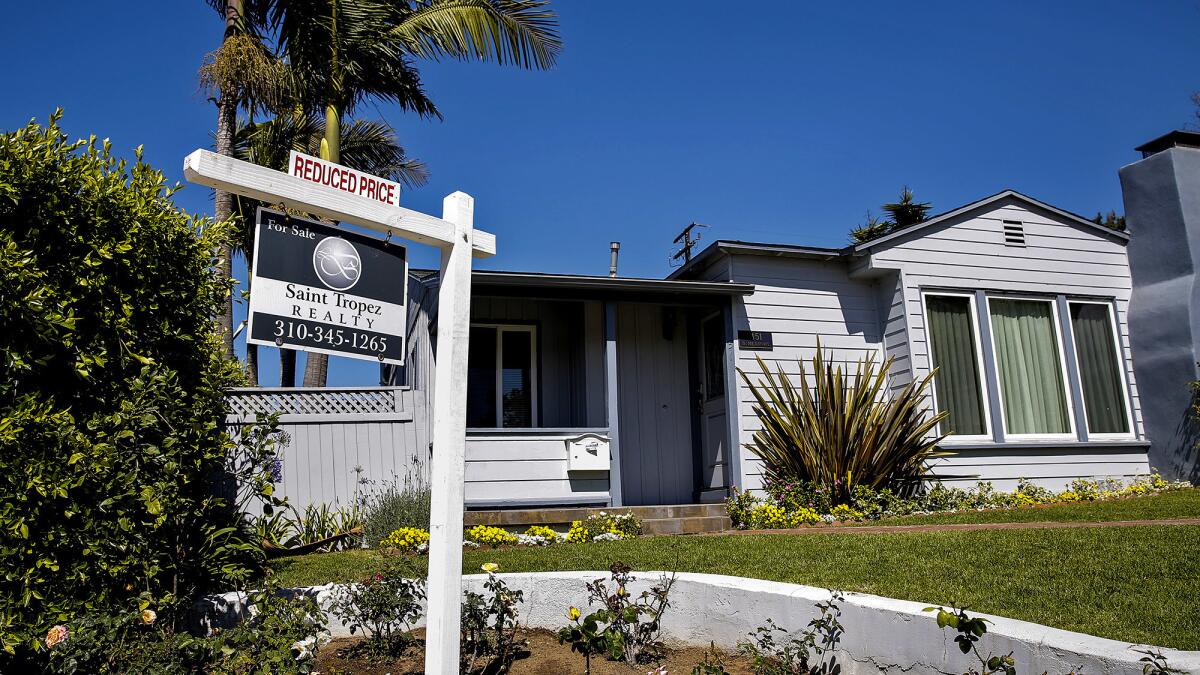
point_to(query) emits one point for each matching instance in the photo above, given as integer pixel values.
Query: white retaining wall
(881, 634)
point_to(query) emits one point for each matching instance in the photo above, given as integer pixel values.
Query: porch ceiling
(577, 287)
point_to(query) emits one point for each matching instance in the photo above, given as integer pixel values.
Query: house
(621, 391)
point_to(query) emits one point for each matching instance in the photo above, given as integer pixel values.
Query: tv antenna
(686, 243)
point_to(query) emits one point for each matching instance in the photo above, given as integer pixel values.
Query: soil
(543, 656)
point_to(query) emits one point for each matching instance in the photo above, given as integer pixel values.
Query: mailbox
(588, 452)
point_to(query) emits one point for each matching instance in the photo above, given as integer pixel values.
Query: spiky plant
(843, 430)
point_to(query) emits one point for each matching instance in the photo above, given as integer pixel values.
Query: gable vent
(1014, 233)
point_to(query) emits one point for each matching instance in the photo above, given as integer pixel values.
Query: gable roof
(1004, 194)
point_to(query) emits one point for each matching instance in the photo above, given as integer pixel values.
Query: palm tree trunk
(223, 202)
(316, 366)
(287, 367)
(251, 350)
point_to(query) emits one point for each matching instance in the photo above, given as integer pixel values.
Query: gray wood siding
(654, 403)
(1051, 467)
(799, 301)
(325, 456)
(528, 467)
(969, 253)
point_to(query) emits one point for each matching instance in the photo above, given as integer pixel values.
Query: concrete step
(667, 519)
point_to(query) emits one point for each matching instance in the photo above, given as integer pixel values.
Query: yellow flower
(490, 568)
(573, 613)
(148, 616)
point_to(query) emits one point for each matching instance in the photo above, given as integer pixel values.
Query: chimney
(615, 250)
(1174, 139)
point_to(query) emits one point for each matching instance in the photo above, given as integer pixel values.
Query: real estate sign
(338, 177)
(324, 289)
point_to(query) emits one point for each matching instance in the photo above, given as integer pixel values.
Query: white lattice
(368, 401)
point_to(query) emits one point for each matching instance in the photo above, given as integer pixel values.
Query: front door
(714, 436)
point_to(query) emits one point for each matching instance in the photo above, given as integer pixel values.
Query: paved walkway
(883, 529)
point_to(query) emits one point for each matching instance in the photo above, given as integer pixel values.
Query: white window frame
(502, 328)
(1116, 334)
(982, 370)
(1056, 320)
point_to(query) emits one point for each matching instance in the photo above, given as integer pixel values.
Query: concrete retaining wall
(881, 634)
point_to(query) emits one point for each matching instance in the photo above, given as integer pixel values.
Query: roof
(1173, 139)
(582, 286)
(1004, 194)
(817, 253)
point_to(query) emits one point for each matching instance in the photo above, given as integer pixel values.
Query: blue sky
(784, 122)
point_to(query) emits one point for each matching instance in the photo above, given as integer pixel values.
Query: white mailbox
(588, 452)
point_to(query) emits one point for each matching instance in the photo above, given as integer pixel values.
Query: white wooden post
(447, 465)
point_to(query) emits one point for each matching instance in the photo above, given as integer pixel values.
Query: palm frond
(516, 32)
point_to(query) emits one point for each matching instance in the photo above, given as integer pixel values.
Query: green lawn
(1137, 584)
(1175, 504)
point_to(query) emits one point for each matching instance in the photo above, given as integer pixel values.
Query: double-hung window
(502, 376)
(1029, 354)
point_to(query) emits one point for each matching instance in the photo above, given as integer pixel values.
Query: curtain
(1096, 349)
(957, 382)
(1030, 367)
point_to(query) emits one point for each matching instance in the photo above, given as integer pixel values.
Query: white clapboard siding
(514, 467)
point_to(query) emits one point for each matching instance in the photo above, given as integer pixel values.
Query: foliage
(843, 431)
(795, 503)
(489, 625)
(394, 506)
(1154, 663)
(970, 631)
(713, 662)
(604, 526)
(383, 606)
(279, 634)
(407, 540)
(491, 536)
(288, 527)
(627, 628)
(111, 396)
(541, 531)
(810, 652)
(1110, 220)
(902, 214)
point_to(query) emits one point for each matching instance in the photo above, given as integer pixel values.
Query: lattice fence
(364, 401)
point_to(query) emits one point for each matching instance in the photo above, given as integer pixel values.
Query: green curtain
(955, 357)
(1030, 368)
(1096, 350)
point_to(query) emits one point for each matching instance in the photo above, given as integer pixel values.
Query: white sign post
(455, 236)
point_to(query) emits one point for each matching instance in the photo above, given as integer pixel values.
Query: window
(501, 378)
(714, 357)
(958, 384)
(1029, 365)
(1099, 364)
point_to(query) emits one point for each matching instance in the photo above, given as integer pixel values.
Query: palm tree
(345, 52)
(240, 74)
(367, 145)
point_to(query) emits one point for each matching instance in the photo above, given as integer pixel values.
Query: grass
(1175, 504)
(1135, 584)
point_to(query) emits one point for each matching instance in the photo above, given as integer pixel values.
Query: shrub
(773, 652)
(768, 516)
(627, 628)
(111, 396)
(383, 606)
(604, 526)
(289, 527)
(542, 531)
(407, 540)
(843, 431)
(394, 506)
(489, 626)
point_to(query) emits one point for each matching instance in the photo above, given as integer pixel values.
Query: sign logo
(337, 263)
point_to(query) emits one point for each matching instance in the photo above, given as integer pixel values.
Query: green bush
(111, 397)
(844, 430)
(394, 506)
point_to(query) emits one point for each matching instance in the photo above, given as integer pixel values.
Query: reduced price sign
(323, 289)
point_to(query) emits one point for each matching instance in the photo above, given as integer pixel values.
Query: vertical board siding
(654, 404)
(323, 453)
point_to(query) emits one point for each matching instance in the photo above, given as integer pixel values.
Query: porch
(598, 391)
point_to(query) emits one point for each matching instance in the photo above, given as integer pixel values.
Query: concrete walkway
(896, 529)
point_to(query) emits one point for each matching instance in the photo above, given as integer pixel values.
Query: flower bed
(601, 526)
(791, 504)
